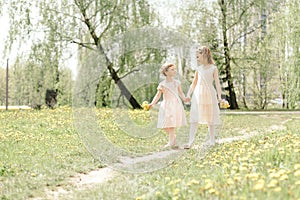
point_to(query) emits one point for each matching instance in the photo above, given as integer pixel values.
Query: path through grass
(40, 152)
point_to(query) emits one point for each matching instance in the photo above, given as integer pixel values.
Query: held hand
(150, 106)
(187, 99)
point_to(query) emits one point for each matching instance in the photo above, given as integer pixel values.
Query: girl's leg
(172, 136)
(211, 130)
(193, 131)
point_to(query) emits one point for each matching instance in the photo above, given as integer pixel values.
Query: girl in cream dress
(205, 99)
(171, 112)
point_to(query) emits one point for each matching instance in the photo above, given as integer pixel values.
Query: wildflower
(213, 191)
(284, 177)
(193, 181)
(277, 189)
(224, 104)
(145, 105)
(259, 185)
(296, 166)
(230, 181)
(140, 197)
(272, 183)
(297, 173)
(176, 191)
(208, 186)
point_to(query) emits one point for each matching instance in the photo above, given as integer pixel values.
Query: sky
(4, 21)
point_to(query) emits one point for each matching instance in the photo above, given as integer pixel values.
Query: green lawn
(41, 150)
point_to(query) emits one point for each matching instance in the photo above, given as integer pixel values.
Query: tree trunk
(109, 65)
(228, 78)
(133, 102)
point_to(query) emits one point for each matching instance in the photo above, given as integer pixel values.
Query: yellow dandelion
(268, 164)
(213, 191)
(243, 168)
(283, 177)
(297, 183)
(145, 105)
(297, 173)
(237, 178)
(176, 191)
(277, 189)
(208, 186)
(296, 166)
(252, 176)
(272, 183)
(261, 141)
(282, 171)
(259, 185)
(224, 104)
(230, 181)
(195, 182)
(158, 193)
(296, 150)
(274, 175)
(140, 197)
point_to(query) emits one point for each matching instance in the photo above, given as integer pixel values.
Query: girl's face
(199, 56)
(171, 71)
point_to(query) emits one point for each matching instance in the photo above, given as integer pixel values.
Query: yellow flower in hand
(145, 105)
(224, 104)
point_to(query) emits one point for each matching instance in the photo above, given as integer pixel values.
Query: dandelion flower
(277, 189)
(176, 191)
(145, 105)
(297, 173)
(193, 181)
(230, 181)
(224, 104)
(208, 186)
(272, 183)
(296, 166)
(259, 185)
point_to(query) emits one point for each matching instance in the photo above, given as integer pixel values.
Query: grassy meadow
(40, 151)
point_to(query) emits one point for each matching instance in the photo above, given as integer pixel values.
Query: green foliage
(2, 85)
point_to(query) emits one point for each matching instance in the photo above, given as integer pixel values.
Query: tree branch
(136, 70)
(83, 44)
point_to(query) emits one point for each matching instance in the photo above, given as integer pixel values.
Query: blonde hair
(164, 68)
(206, 54)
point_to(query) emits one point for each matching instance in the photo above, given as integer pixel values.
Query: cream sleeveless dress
(171, 112)
(204, 103)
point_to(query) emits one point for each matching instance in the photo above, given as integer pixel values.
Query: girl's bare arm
(193, 85)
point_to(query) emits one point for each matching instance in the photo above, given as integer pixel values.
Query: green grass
(40, 150)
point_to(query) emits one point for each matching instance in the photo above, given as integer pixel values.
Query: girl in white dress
(205, 99)
(171, 112)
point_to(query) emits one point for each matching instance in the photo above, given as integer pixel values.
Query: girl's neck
(169, 78)
(205, 64)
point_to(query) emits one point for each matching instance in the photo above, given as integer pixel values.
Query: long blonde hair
(206, 54)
